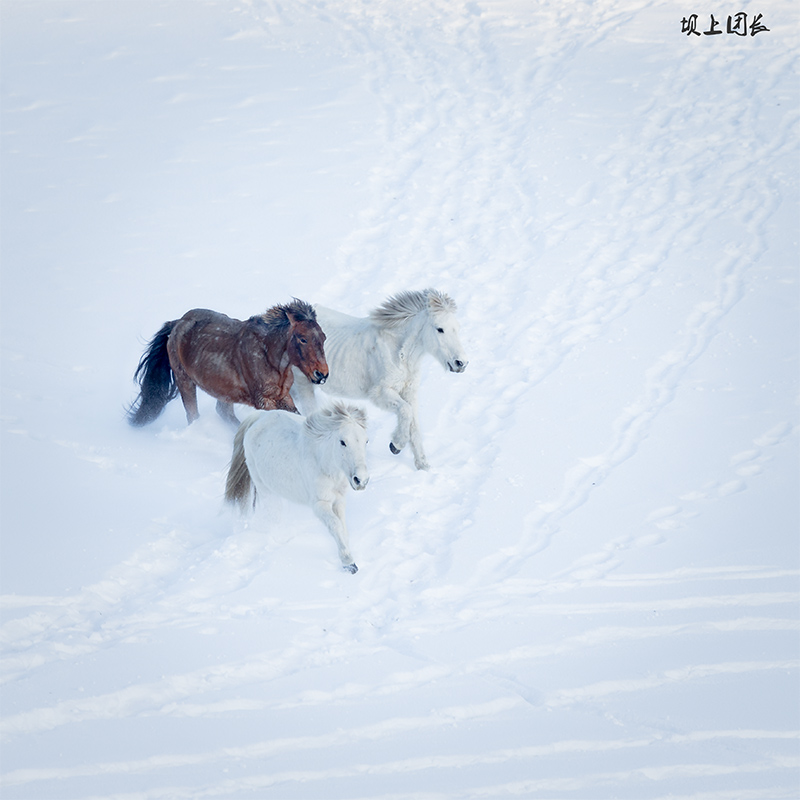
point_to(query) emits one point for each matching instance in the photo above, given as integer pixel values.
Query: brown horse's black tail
(156, 379)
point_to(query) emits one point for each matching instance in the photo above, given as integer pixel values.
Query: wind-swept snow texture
(594, 591)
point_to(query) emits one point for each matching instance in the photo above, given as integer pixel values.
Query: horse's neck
(408, 346)
(276, 348)
(325, 456)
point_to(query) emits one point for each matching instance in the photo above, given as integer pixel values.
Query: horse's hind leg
(188, 389)
(225, 410)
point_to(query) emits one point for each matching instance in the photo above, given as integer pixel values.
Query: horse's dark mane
(277, 318)
(402, 306)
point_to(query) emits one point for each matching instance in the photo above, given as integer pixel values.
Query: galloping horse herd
(273, 361)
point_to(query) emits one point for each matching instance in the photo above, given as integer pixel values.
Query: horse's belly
(353, 389)
(226, 375)
(221, 380)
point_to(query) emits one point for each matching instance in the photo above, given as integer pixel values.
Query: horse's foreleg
(225, 410)
(390, 400)
(287, 404)
(267, 402)
(332, 515)
(414, 432)
(407, 428)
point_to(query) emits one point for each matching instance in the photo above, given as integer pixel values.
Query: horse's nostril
(356, 481)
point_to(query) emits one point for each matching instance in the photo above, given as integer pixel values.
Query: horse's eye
(441, 330)
(342, 443)
(303, 341)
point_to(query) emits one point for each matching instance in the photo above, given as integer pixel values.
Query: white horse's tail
(238, 483)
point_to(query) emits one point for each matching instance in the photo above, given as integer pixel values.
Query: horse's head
(352, 445)
(440, 332)
(345, 429)
(306, 342)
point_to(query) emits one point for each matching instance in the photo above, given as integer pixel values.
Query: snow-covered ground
(594, 591)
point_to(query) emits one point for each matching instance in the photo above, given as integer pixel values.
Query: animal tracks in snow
(744, 466)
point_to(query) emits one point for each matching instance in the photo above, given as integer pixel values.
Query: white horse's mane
(327, 420)
(399, 308)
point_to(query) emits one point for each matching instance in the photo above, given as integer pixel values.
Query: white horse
(310, 461)
(378, 357)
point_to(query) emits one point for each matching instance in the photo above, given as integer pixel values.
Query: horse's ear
(359, 415)
(439, 301)
(299, 311)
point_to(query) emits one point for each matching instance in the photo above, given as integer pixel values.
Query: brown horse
(246, 362)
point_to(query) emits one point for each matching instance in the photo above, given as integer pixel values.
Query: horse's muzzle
(457, 366)
(358, 483)
(320, 377)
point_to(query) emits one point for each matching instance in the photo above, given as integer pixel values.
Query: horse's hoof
(394, 449)
(351, 568)
(424, 465)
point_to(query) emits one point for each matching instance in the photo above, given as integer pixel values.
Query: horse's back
(201, 319)
(337, 319)
(202, 327)
(209, 347)
(273, 426)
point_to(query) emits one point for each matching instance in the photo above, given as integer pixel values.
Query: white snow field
(593, 593)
